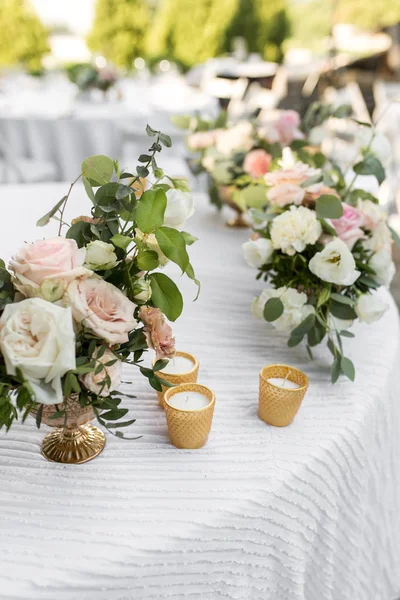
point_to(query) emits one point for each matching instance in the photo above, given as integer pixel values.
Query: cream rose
(46, 267)
(150, 241)
(335, 264)
(100, 307)
(238, 137)
(38, 338)
(257, 252)
(141, 290)
(372, 214)
(180, 206)
(96, 383)
(370, 308)
(294, 303)
(380, 239)
(100, 256)
(294, 229)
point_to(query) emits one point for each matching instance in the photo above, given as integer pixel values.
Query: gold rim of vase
(280, 366)
(190, 387)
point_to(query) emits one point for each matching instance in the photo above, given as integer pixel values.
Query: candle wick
(187, 399)
(286, 378)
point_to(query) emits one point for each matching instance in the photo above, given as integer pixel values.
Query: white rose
(141, 290)
(381, 262)
(180, 206)
(335, 264)
(380, 239)
(258, 252)
(370, 308)
(96, 383)
(294, 303)
(294, 229)
(377, 142)
(38, 338)
(100, 256)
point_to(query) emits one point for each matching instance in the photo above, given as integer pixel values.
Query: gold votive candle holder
(189, 428)
(278, 406)
(178, 378)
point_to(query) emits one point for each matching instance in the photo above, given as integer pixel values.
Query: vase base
(73, 446)
(239, 221)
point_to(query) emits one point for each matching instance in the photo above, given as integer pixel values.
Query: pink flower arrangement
(348, 226)
(284, 129)
(286, 193)
(202, 139)
(257, 163)
(157, 331)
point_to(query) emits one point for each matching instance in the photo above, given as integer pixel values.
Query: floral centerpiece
(324, 245)
(238, 155)
(75, 307)
(90, 77)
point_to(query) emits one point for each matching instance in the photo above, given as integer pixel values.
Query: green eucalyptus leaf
(150, 210)
(370, 166)
(348, 334)
(166, 296)
(165, 140)
(46, 218)
(98, 169)
(273, 309)
(342, 311)
(323, 297)
(342, 299)
(335, 370)
(304, 326)
(329, 207)
(395, 236)
(80, 232)
(173, 245)
(88, 188)
(189, 238)
(347, 368)
(190, 273)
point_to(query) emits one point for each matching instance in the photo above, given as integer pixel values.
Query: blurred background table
(307, 512)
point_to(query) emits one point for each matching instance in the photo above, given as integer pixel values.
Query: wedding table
(306, 512)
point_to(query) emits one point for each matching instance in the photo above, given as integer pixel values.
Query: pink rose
(257, 163)
(100, 307)
(291, 171)
(283, 129)
(202, 139)
(348, 225)
(158, 332)
(286, 193)
(96, 383)
(45, 267)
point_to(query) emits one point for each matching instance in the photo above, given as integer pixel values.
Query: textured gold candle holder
(278, 406)
(189, 428)
(73, 441)
(175, 378)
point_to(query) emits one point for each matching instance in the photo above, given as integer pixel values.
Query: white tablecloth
(307, 512)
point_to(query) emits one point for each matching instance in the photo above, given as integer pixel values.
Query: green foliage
(166, 295)
(191, 31)
(119, 30)
(24, 39)
(329, 207)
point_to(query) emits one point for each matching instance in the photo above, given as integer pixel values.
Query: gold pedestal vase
(225, 193)
(74, 440)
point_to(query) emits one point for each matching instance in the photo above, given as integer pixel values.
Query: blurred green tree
(191, 31)
(368, 14)
(24, 38)
(119, 30)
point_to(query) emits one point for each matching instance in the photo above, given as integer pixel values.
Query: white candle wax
(178, 365)
(283, 383)
(189, 400)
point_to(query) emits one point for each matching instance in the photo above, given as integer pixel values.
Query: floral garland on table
(237, 156)
(74, 308)
(324, 247)
(89, 77)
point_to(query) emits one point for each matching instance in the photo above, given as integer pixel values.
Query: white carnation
(335, 264)
(294, 229)
(257, 252)
(294, 303)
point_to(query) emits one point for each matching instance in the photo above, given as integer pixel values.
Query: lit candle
(189, 401)
(283, 383)
(179, 365)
